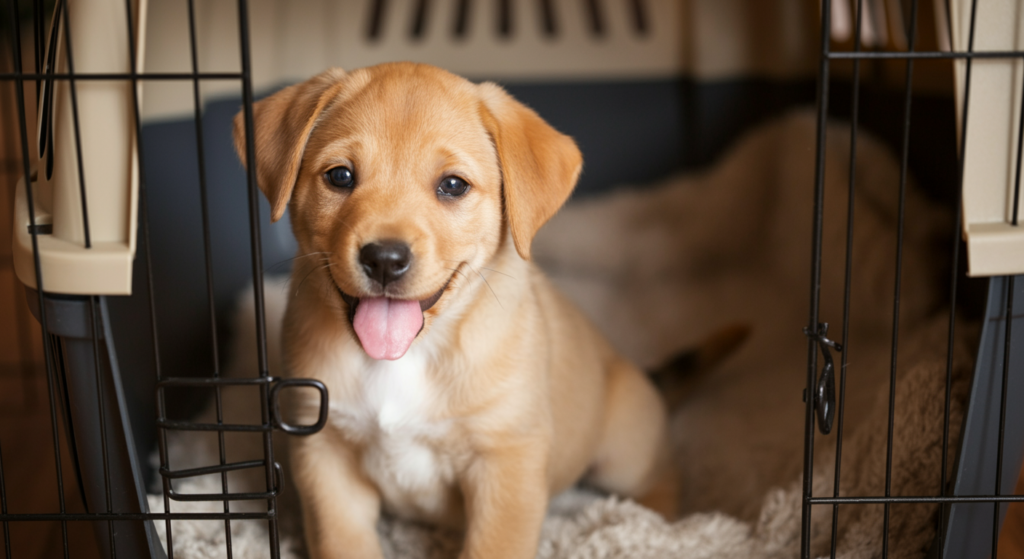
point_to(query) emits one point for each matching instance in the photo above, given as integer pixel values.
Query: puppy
(464, 389)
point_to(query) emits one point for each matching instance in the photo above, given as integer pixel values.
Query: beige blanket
(657, 269)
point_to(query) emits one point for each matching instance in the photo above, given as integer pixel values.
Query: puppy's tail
(682, 374)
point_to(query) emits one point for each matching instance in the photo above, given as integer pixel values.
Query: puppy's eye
(452, 186)
(342, 177)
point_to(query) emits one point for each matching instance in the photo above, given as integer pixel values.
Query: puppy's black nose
(385, 262)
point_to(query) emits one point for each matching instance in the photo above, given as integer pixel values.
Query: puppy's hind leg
(633, 457)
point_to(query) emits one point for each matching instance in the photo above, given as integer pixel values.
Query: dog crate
(135, 228)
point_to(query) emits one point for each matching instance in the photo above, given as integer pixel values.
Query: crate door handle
(825, 390)
(275, 401)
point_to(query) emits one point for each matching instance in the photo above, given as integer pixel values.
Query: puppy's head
(402, 179)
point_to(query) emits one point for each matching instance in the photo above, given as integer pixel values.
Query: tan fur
(509, 394)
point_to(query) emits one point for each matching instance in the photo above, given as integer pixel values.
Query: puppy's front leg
(506, 497)
(340, 507)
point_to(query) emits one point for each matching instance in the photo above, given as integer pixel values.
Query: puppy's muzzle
(386, 261)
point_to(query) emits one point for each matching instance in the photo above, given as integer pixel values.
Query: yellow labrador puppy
(464, 389)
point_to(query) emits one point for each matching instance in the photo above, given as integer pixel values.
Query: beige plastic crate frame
(106, 131)
(995, 246)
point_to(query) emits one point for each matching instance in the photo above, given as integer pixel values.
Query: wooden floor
(30, 479)
(1011, 541)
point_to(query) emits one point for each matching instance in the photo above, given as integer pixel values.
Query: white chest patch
(391, 413)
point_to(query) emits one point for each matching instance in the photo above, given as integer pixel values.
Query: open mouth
(386, 327)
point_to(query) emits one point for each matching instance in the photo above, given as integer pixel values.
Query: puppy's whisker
(498, 272)
(315, 269)
(457, 271)
(286, 260)
(488, 284)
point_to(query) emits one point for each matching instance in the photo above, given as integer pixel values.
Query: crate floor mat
(658, 268)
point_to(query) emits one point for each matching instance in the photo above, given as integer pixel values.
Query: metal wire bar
(376, 19)
(250, 496)
(94, 517)
(45, 138)
(848, 280)
(505, 18)
(1016, 181)
(3, 507)
(50, 386)
(596, 19)
(208, 261)
(21, 337)
(107, 76)
(1011, 280)
(43, 322)
(639, 14)
(61, 370)
(954, 277)
(547, 15)
(37, 39)
(154, 329)
(161, 405)
(901, 220)
(419, 20)
(213, 382)
(461, 27)
(233, 427)
(74, 115)
(812, 349)
(257, 264)
(932, 55)
(102, 414)
(206, 470)
(917, 500)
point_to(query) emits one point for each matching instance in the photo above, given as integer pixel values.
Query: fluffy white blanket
(657, 269)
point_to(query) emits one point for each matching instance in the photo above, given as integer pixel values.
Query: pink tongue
(387, 327)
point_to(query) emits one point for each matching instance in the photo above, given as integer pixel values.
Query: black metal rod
(3, 485)
(74, 114)
(848, 280)
(205, 497)
(505, 18)
(213, 382)
(547, 18)
(934, 55)
(144, 231)
(121, 516)
(954, 278)
(37, 37)
(60, 369)
(3, 507)
(419, 19)
(19, 89)
(461, 27)
(595, 17)
(257, 265)
(206, 470)
(897, 289)
(917, 500)
(373, 32)
(101, 411)
(108, 76)
(639, 13)
(1016, 181)
(1007, 348)
(232, 427)
(812, 349)
(208, 260)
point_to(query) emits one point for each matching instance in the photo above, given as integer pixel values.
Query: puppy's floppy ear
(283, 123)
(539, 165)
